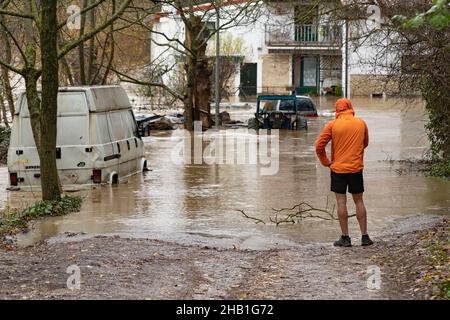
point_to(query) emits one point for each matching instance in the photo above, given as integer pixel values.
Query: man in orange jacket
(349, 137)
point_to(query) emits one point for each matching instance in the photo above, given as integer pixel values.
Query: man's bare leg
(341, 200)
(361, 213)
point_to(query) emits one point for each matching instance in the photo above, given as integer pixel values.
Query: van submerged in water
(97, 140)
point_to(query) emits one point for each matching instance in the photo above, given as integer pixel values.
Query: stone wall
(368, 85)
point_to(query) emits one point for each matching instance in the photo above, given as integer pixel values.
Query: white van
(97, 140)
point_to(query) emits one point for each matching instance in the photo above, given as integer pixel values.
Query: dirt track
(113, 267)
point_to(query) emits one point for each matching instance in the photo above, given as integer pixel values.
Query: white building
(281, 53)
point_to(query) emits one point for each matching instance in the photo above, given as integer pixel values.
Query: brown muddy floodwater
(196, 204)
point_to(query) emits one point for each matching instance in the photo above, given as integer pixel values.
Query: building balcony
(304, 36)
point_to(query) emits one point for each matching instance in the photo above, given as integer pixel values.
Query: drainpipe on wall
(346, 93)
(318, 75)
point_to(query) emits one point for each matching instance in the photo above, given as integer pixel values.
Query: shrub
(4, 143)
(439, 169)
(17, 220)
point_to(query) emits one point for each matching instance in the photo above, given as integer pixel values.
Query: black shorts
(340, 181)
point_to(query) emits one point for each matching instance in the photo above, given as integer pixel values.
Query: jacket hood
(344, 105)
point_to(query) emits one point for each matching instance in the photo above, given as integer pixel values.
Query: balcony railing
(304, 35)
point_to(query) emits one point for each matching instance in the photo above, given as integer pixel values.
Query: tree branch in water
(296, 214)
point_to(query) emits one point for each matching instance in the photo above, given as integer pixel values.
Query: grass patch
(438, 252)
(438, 257)
(445, 289)
(437, 246)
(16, 220)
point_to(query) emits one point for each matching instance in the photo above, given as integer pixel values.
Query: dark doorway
(248, 79)
(305, 76)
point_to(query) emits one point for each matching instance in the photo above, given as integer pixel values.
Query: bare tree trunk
(189, 112)
(190, 66)
(67, 72)
(198, 73)
(34, 105)
(7, 57)
(203, 87)
(203, 92)
(113, 45)
(31, 76)
(191, 42)
(51, 188)
(3, 107)
(92, 50)
(110, 61)
(8, 90)
(43, 115)
(82, 79)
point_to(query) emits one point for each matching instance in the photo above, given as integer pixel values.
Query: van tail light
(97, 175)
(13, 179)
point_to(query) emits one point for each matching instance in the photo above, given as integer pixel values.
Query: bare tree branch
(68, 47)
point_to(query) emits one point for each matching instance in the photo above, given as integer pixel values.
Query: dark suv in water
(282, 112)
(305, 106)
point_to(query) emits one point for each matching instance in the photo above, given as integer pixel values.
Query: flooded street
(197, 204)
(95, 99)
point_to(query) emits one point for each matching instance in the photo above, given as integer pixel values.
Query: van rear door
(73, 138)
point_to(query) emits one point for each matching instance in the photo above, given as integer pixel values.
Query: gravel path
(122, 268)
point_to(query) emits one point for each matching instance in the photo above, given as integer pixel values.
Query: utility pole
(217, 76)
(346, 61)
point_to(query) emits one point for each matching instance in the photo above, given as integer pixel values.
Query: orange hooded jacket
(349, 137)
